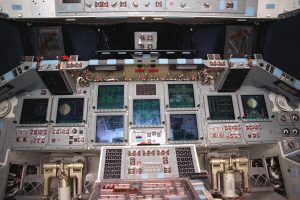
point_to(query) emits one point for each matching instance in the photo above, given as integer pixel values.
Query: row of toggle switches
(123, 4)
(139, 170)
(149, 152)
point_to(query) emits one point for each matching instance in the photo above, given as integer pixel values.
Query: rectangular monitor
(34, 111)
(48, 41)
(181, 96)
(220, 107)
(183, 127)
(110, 129)
(110, 97)
(146, 112)
(70, 110)
(239, 41)
(146, 89)
(254, 107)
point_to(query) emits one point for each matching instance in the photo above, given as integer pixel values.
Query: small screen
(110, 97)
(48, 41)
(70, 110)
(183, 127)
(181, 96)
(34, 111)
(220, 108)
(110, 129)
(254, 107)
(146, 112)
(145, 89)
(71, 1)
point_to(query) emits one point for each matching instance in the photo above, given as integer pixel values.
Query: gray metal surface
(179, 10)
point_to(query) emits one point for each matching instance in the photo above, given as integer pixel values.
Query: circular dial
(5, 107)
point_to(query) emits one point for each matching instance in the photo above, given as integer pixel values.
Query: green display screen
(110, 97)
(146, 112)
(181, 96)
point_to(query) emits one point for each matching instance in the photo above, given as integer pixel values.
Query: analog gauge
(5, 107)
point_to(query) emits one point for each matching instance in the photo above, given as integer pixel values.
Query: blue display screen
(146, 112)
(183, 127)
(110, 129)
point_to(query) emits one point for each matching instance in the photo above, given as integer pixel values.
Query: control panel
(148, 113)
(146, 189)
(145, 8)
(289, 129)
(146, 162)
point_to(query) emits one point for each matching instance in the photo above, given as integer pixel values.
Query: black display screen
(110, 129)
(110, 97)
(70, 110)
(183, 127)
(146, 112)
(71, 1)
(145, 89)
(181, 96)
(34, 111)
(220, 108)
(254, 107)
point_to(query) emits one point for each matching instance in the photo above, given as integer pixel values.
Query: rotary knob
(135, 4)
(183, 4)
(295, 117)
(295, 131)
(286, 131)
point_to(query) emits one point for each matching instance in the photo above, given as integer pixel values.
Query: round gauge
(64, 109)
(5, 107)
(252, 103)
(281, 103)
